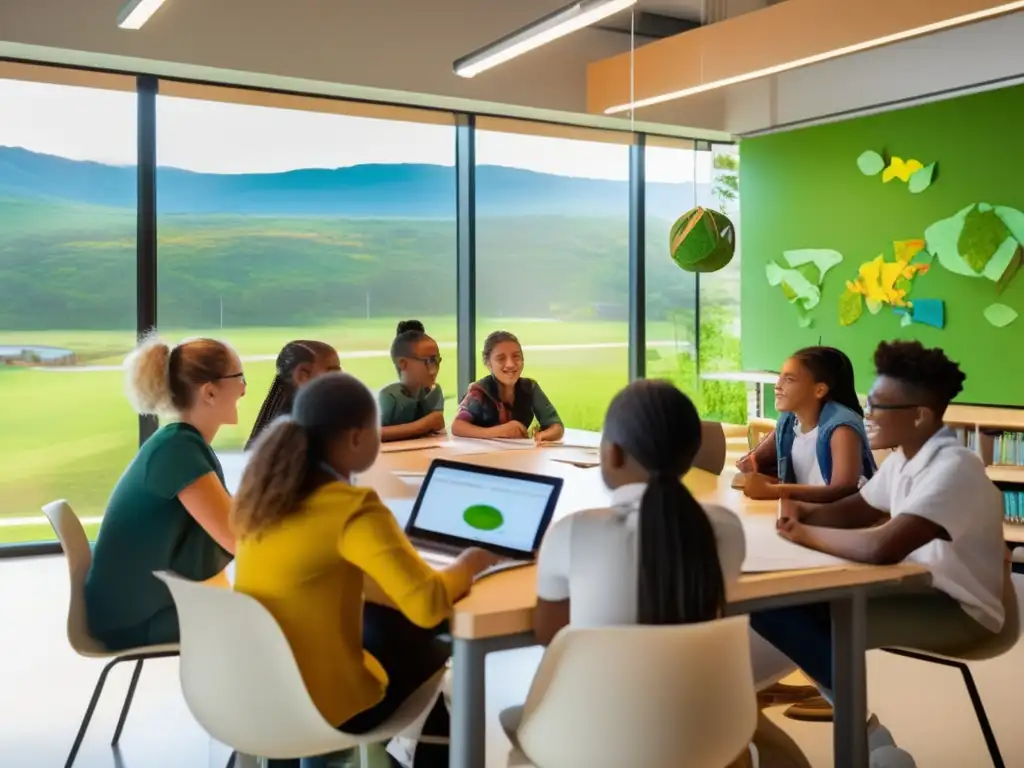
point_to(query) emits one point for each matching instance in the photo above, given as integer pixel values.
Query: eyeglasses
(233, 376)
(434, 361)
(871, 405)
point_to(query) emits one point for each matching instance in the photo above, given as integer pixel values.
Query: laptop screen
(481, 506)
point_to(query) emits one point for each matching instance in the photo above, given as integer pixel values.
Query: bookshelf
(997, 434)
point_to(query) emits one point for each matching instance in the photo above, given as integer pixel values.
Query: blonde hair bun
(147, 379)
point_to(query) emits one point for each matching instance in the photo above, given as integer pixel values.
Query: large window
(67, 292)
(286, 218)
(720, 293)
(552, 260)
(671, 175)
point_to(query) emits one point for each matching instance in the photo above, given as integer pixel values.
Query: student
(298, 363)
(414, 405)
(169, 510)
(820, 451)
(914, 510)
(505, 404)
(306, 539)
(655, 556)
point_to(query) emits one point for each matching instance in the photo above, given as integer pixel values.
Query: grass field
(71, 434)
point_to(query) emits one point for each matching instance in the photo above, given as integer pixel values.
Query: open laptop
(464, 505)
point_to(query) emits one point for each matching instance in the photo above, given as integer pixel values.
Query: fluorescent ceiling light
(135, 13)
(877, 42)
(558, 24)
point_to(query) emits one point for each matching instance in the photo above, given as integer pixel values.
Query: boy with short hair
(930, 503)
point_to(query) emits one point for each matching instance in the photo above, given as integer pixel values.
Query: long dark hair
(679, 574)
(282, 389)
(833, 368)
(284, 466)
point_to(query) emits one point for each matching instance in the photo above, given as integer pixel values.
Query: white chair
(641, 696)
(243, 685)
(1000, 643)
(75, 544)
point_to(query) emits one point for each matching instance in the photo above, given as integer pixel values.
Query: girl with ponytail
(169, 510)
(656, 556)
(298, 363)
(308, 537)
(819, 451)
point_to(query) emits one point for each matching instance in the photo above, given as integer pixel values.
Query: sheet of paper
(767, 551)
(420, 444)
(521, 444)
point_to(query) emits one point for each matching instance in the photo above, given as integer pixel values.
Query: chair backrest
(71, 535)
(758, 430)
(711, 456)
(239, 676)
(642, 696)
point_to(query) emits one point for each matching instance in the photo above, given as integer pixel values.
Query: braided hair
(833, 368)
(283, 389)
(679, 579)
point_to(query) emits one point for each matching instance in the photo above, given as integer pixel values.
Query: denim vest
(833, 415)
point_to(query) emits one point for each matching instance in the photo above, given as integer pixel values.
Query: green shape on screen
(922, 179)
(483, 517)
(1000, 315)
(983, 233)
(870, 163)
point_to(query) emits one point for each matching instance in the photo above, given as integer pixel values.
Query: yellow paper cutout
(901, 169)
(877, 280)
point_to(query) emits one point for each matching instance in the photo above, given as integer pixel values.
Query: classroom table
(498, 614)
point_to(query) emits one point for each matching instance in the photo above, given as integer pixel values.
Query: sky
(214, 137)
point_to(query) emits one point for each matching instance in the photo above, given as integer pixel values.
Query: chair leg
(979, 711)
(364, 756)
(88, 713)
(231, 760)
(127, 702)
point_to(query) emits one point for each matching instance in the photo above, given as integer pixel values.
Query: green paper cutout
(870, 163)
(803, 292)
(823, 259)
(1010, 271)
(1014, 221)
(873, 306)
(982, 235)
(922, 179)
(1000, 315)
(803, 320)
(923, 257)
(851, 307)
(810, 272)
(1000, 261)
(941, 239)
(906, 320)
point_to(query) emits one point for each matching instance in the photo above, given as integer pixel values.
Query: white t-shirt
(946, 483)
(591, 556)
(804, 455)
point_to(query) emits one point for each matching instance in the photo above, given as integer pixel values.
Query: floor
(45, 689)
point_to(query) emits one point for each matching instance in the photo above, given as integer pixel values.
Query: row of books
(1013, 507)
(1008, 449)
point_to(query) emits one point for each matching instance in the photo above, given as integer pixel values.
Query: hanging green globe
(702, 240)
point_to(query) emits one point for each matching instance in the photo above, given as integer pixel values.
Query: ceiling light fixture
(135, 13)
(562, 22)
(877, 42)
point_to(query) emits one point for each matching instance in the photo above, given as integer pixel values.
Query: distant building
(34, 354)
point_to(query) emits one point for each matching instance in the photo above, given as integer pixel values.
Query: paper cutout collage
(880, 282)
(917, 176)
(801, 274)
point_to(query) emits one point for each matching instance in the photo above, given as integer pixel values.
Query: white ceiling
(402, 50)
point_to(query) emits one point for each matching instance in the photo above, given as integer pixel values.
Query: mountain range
(360, 191)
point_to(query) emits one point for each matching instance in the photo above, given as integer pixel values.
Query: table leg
(849, 680)
(469, 705)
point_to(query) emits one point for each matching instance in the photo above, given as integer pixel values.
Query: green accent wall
(802, 189)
